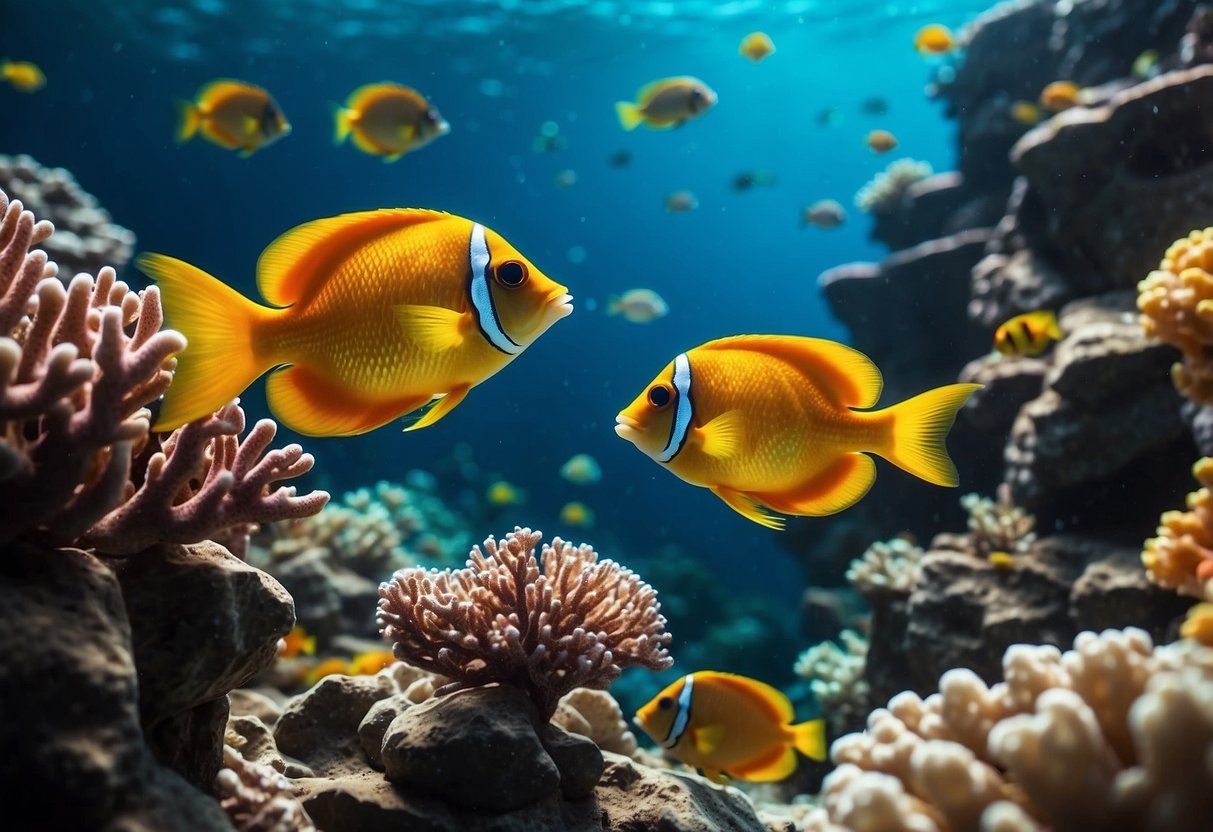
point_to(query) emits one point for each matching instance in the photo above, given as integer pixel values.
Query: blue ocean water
(740, 263)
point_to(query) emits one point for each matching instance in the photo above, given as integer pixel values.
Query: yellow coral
(1199, 624)
(1177, 305)
(1181, 557)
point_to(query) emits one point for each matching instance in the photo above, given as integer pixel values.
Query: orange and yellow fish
(730, 725)
(389, 120)
(328, 667)
(934, 39)
(1025, 112)
(756, 46)
(374, 315)
(1060, 95)
(1028, 334)
(295, 642)
(881, 141)
(502, 493)
(666, 102)
(23, 75)
(234, 115)
(368, 664)
(576, 514)
(780, 423)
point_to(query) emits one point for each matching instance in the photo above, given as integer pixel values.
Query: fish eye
(665, 703)
(660, 396)
(511, 274)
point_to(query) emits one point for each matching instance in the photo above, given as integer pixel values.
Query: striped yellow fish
(374, 315)
(1028, 334)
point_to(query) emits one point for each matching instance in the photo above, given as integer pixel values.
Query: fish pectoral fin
(708, 738)
(441, 408)
(307, 403)
(748, 507)
(721, 437)
(434, 328)
(716, 776)
(843, 483)
(407, 132)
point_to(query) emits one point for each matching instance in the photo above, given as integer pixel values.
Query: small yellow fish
(1025, 112)
(731, 725)
(389, 120)
(679, 202)
(1028, 334)
(23, 75)
(934, 39)
(234, 115)
(640, 306)
(581, 469)
(502, 493)
(295, 642)
(368, 664)
(328, 667)
(667, 102)
(1001, 560)
(1060, 95)
(825, 213)
(756, 46)
(576, 514)
(881, 141)
(374, 314)
(771, 422)
(1145, 66)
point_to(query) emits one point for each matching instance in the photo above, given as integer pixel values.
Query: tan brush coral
(890, 566)
(1113, 734)
(596, 714)
(998, 525)
(546, 624)
(1176, 301)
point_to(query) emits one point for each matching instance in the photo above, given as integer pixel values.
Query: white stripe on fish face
(683, 410)
(683, 718)
(479, 263)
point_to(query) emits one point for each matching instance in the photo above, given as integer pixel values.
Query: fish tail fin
(218, 323)
(1052, 327)
(189, 120)
(809, 738)
(919, 431)
(629, 114)
(614, 305)
(344, 124)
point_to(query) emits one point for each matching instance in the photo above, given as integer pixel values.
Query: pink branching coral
(78, 365)
(546, 627)
(257, 798)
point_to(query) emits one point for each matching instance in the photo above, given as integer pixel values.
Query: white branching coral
(883, 194)
(545, 624)
(998, 525)
(835, 673)
(257, 798)
(1113, 734)
(891, 566)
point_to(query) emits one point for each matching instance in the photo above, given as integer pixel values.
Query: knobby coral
(257, 798)
(1181, 556)
(886, 567)
(1113, 734)
(78, 365)
(998, 525)
(545, 624)
(883, 194)
(1176, 301)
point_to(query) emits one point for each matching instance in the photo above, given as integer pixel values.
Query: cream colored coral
(998, 525)
(890, 566)
(1176, 301)
(835, 673)
(883, 194)
(596, 714)
(1112, 734)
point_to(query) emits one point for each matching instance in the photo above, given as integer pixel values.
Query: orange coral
(1177, 302)
(1199, 624)
(1181, 557)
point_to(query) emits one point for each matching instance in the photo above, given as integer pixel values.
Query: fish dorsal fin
(307, 255)
(708, 738)
(846, 375)
(776, 703)
(225, 87)
(368, 93)
(721, 438)
(649, 90)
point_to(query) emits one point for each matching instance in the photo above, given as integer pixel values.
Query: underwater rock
(320, 727)
(202, 623)
(329, 599)
(940, 205)
(595, 714)
(85, 237)
(70, 699)
(249, 702)
(1114, 590)
(255, 742)
(375, 724)
(482, 748)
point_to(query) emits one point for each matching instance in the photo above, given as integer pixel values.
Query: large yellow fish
(389, 120)
(382, 312)
(23, 75)
(234, 115)
(769, 422)
(666, 102)
(730, 725)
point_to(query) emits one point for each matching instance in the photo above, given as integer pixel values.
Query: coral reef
(86, 239)
(836, 677)
(257, 798)
(890, 566)
(885, 191)
(1181, 556)
(998, 525)
(546, 624)
(1132, 719)
(1176, 300)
